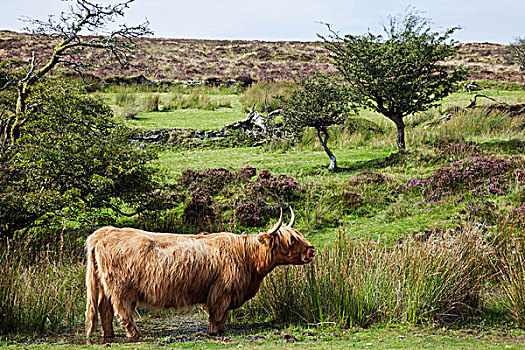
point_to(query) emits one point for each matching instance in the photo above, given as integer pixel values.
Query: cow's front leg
(222, 325)
(218, 311)
(216, 322)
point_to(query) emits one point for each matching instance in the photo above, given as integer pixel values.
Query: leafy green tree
(400, 73)
(318, 103)
(71, 162)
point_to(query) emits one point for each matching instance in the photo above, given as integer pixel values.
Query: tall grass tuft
(258, 94)
(39, 293)
(125, 98)
(365, 282)
(150, 103)
(466, 124)
(513, 279)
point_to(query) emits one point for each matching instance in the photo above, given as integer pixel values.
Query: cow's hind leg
(106, 315)
(124, 310)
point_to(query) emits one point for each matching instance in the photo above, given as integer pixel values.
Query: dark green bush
(71, 161)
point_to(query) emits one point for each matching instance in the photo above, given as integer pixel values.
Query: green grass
(311, 337)
(193, 108)
(307, 166)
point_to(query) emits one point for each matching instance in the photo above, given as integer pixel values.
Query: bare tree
(72, 33)
(517, 51)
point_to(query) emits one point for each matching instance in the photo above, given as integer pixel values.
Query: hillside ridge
(198, 59)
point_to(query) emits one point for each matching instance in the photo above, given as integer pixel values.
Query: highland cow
(127, 267)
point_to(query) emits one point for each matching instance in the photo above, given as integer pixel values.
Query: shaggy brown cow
(127, 266)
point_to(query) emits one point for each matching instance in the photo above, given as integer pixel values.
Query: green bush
(72, 161)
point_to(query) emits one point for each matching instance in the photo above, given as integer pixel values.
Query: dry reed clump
(365, 282)
(39, 294)
(467, 124)
(512, 272)
(150, 103)
(264, 97)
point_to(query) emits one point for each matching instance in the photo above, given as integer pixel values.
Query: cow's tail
(91, 286)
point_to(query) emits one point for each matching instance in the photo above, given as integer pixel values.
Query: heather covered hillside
(188, 59)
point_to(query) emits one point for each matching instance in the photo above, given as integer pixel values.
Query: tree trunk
(400, 125)
(333, 161)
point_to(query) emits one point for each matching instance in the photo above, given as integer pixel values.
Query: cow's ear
(265, 238)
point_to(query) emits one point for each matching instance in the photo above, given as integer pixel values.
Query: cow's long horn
(292, 220)
(277, 225)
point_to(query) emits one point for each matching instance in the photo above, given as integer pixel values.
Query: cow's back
(160, 270)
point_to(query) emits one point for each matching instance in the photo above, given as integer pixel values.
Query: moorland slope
(192, 59)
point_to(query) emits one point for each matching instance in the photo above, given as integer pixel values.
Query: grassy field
(198, 114)
(308, 338)
(375, 222)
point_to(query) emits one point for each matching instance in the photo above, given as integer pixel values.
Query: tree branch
(474, 101)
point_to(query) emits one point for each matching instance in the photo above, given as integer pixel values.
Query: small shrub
(219, 196)
(282, 187)
(367, 177)
(246, 173)
(482, 211)
(249, 214)
(458, 151)
(483, 176)
(212, 180)
(200, 210)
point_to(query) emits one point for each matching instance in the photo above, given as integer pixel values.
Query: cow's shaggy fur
(127, 266)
